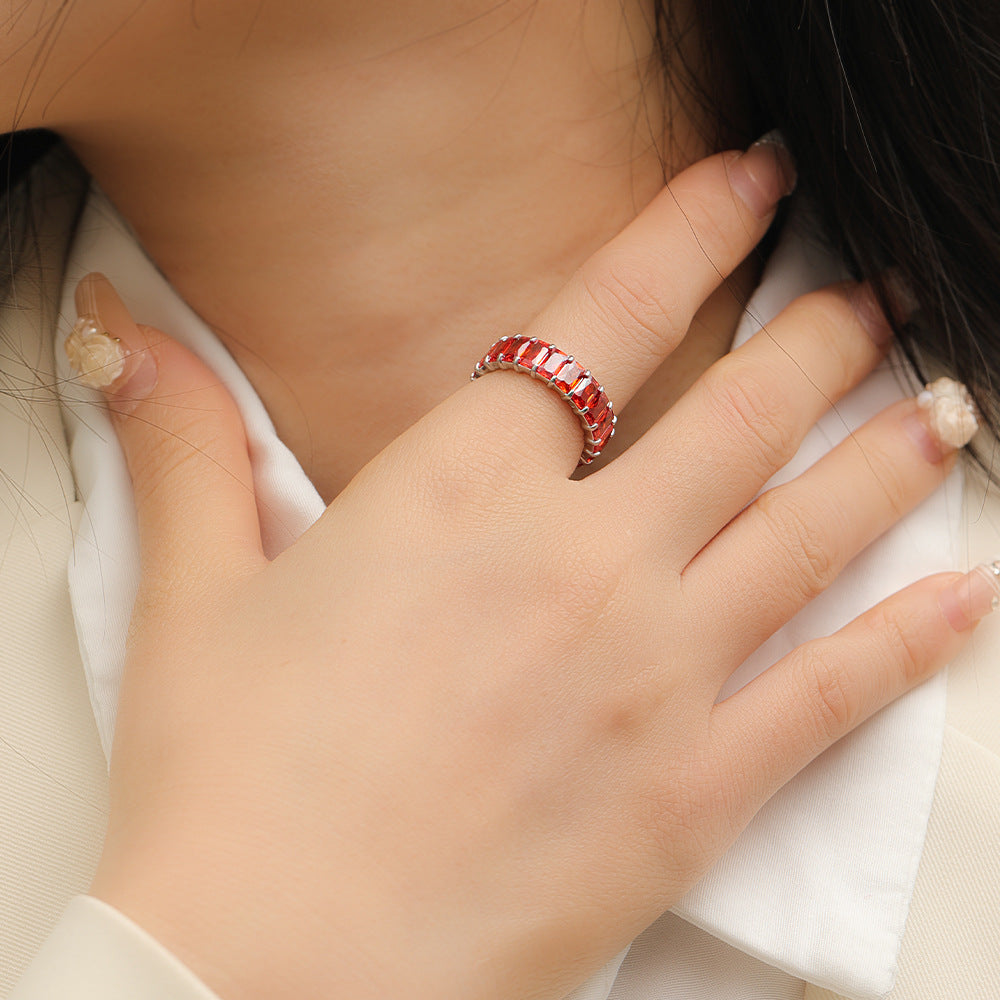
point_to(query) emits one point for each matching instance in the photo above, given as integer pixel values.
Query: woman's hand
(461, 740)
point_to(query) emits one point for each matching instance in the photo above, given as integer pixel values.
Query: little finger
(824, 689)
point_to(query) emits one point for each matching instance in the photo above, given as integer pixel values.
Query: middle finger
(789, 545)
(747, 415)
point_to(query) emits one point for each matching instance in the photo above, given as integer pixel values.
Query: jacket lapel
(53, 779)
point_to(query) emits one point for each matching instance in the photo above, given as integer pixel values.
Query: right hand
(461, 740)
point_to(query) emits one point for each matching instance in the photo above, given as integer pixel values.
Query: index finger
(630, 304)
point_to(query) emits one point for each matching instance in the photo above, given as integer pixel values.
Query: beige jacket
(53, 780)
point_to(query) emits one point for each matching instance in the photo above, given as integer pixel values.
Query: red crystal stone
(555, 366)
(587, 394)
(602, 435)
(599, 411)
(551, 365)
(494, 352)
(510, 348)
(568, 376)
(534, 354)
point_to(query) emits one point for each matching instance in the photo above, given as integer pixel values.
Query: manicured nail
(106, 348)
(764, 174)
(902, 298)
(866, 307)
(902, 304)
(946, 419)
(951, 414)
(972, 596)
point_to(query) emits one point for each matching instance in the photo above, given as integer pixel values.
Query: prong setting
(578, 387)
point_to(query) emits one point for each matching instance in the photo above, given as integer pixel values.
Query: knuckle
(631, 298)
(808, 544)
(904, 647)
(624, 713)
(450, 489)
(835, 705)
(440, 481)
(746, 405)
(588, 584)
(827, 318)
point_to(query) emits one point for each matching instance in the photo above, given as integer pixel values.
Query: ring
(561, 372)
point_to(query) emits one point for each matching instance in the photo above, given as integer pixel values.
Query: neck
(359, 207)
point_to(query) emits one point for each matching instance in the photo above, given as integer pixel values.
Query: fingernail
(902, 298)
(106, 348)
(902, 304)
(950, 414)
(866, 307)
(764, 174)
(945, 419)
(972, 597)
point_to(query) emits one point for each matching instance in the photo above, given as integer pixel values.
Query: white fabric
(674, 959)
(95, 951)
(820, 883)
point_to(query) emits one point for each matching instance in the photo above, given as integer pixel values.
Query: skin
(500, 798)
(400, 223)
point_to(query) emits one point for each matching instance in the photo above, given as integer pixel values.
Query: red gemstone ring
(561, 372)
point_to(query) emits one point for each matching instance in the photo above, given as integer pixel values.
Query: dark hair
(20, 153)
(890, 107)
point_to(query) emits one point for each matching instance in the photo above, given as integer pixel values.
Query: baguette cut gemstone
(568, 376)
(587, 394)
(510, 349)
(551, 365)
(599, 411)
(494, 352)
(605, 436)
(533, 354)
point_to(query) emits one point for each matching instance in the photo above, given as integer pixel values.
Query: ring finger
(631, 303)
(793, 541)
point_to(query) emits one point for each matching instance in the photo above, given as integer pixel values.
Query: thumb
(184, 443)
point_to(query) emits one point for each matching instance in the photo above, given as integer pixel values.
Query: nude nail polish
(106, 348)
(972, 597)
(764, 174)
